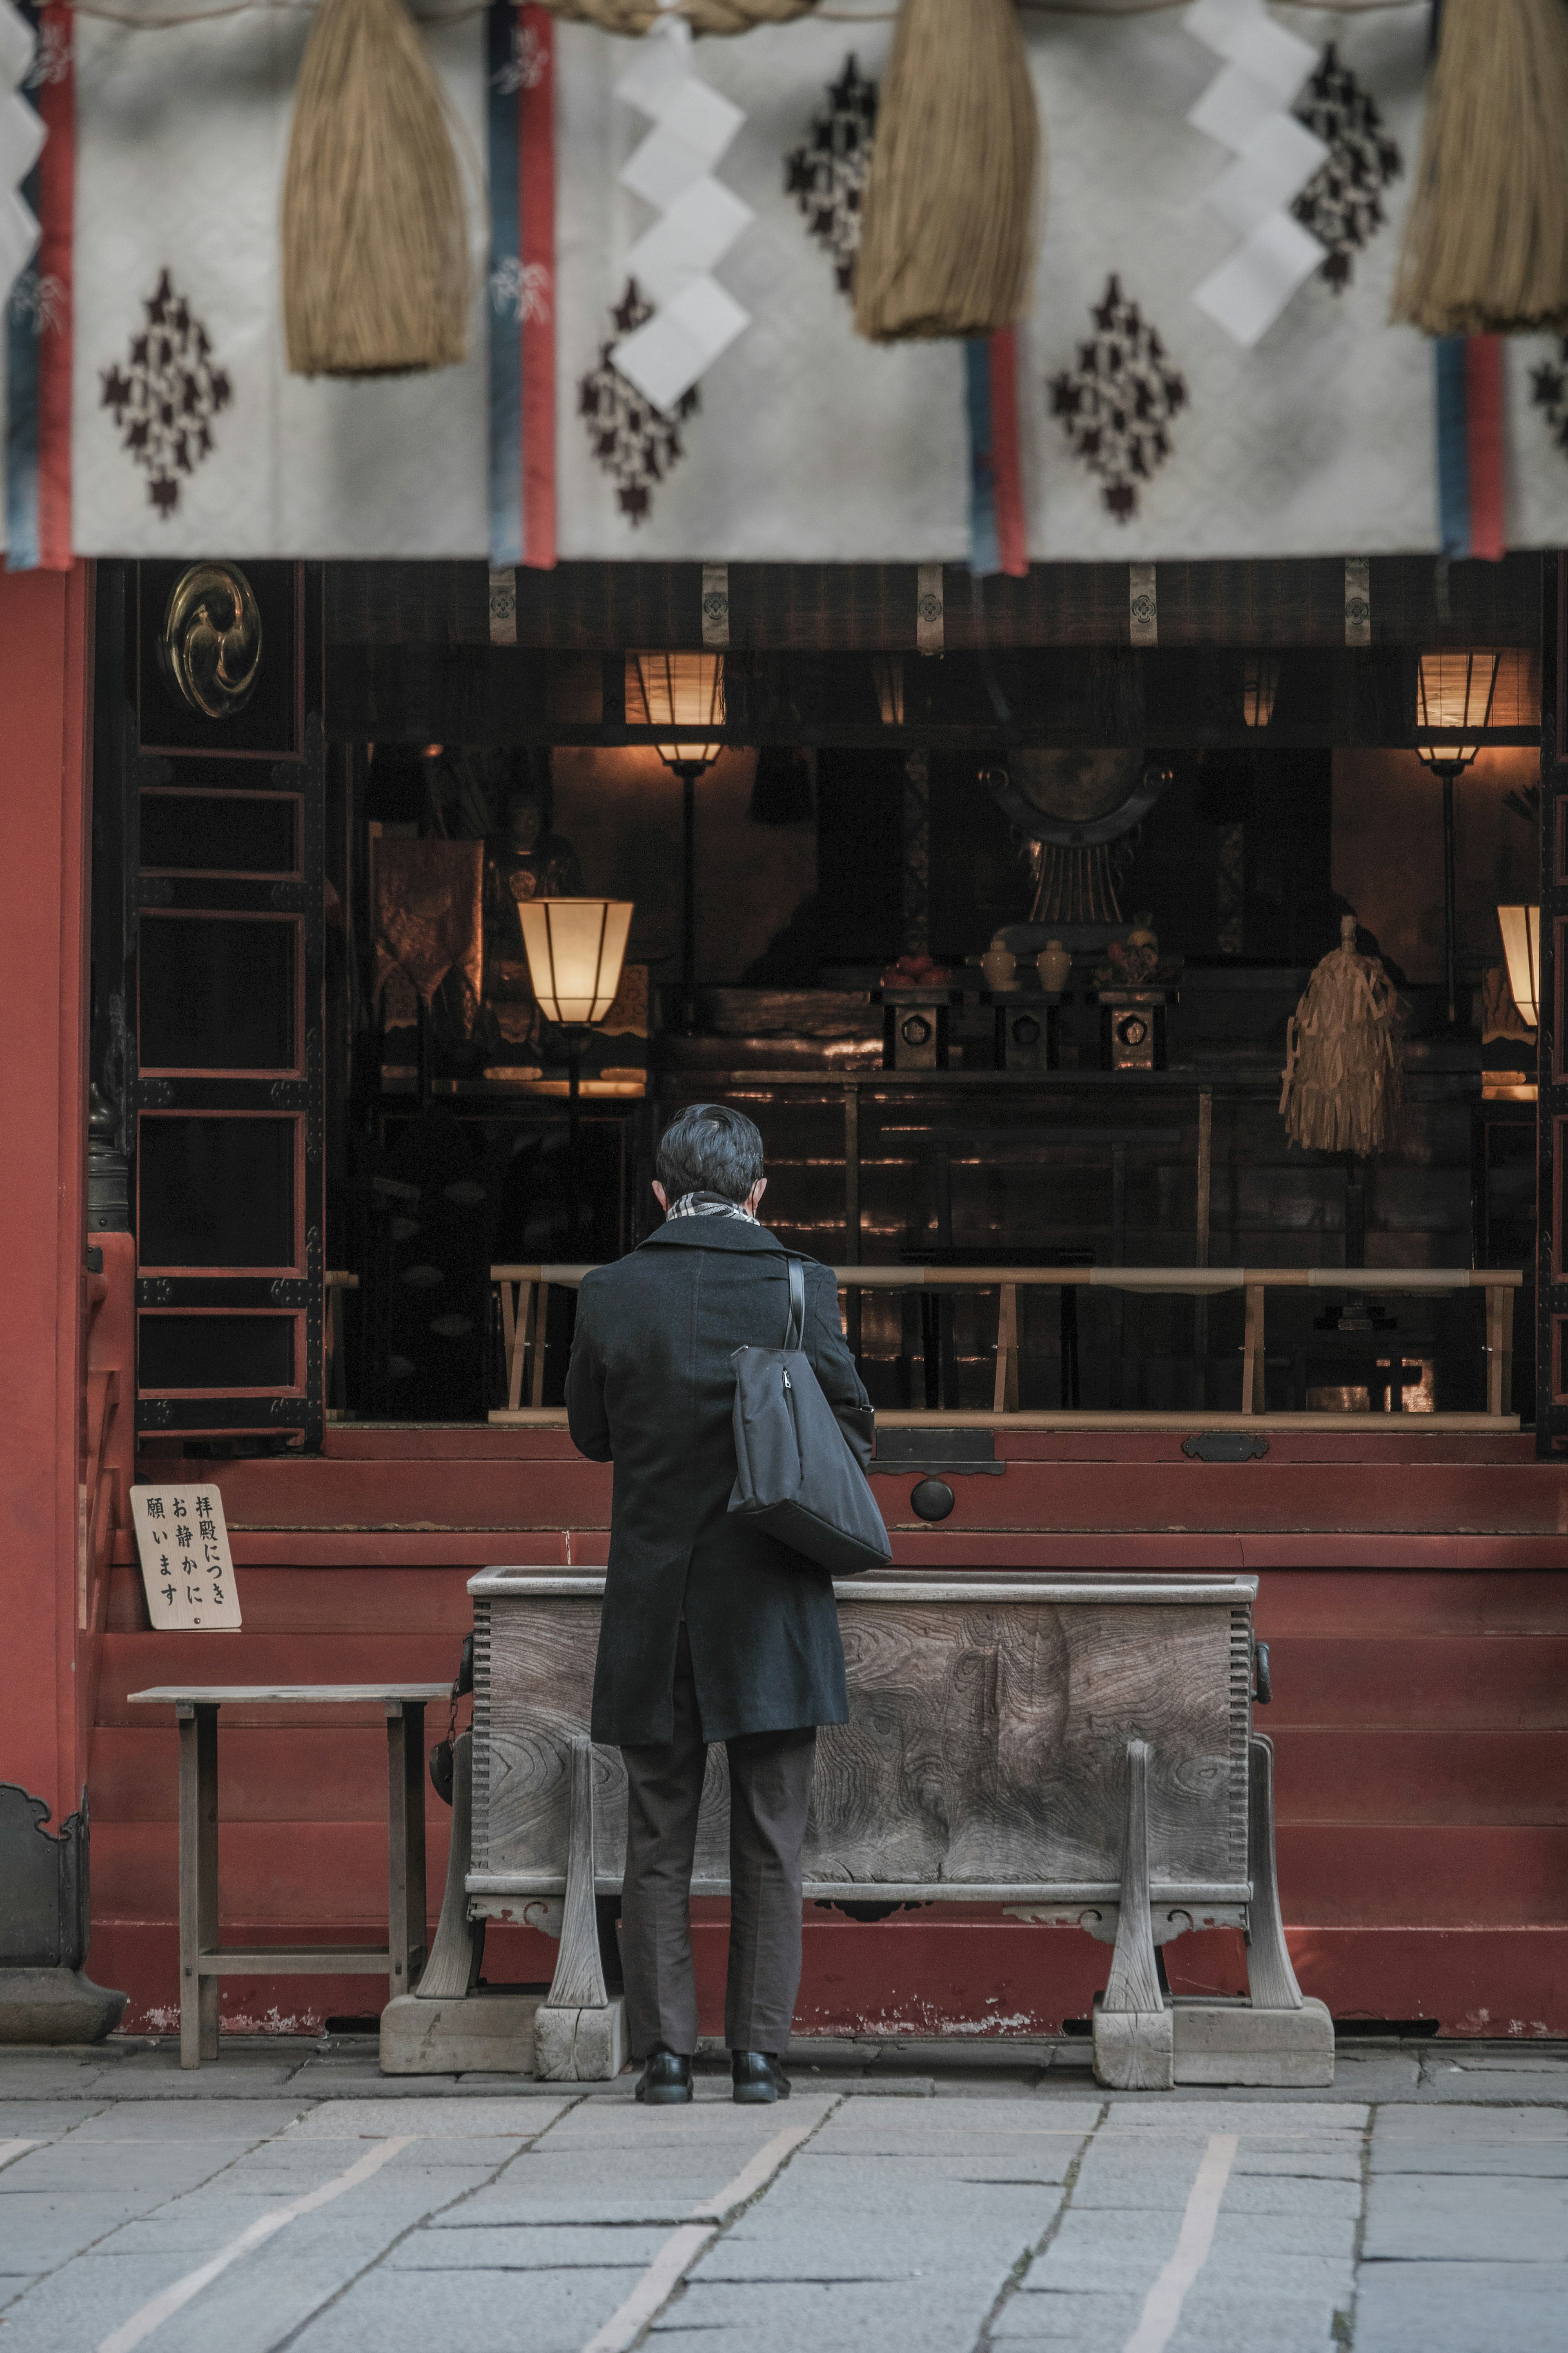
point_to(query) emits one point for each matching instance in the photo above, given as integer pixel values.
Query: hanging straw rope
(948, 233)
(375, 246)
(1486, 244)
(1344, 1073)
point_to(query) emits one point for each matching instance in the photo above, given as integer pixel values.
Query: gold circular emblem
(211, 644)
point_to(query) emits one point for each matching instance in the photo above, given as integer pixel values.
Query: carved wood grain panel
(987, 1744)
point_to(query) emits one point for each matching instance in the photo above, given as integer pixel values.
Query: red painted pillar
(44, 654)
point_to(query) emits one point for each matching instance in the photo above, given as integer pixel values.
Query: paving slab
(454, 2119)
(41, 2119)
(864, 2315)
(74, 2308)
(147, 2171)
(1448, 2307)
(1504, 2078)
(1115, 2178)
(528, 2247)
(1466, 2218)
(1257, 2323)
(1470, 2140)
(547, 2312)
(244, 2121)
(985, 2235)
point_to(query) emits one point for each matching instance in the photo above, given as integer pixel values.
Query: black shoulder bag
(795, 1475)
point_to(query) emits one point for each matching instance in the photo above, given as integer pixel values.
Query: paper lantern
(1454, 691)
(1520, 928)
(576, 948)
(683, 690)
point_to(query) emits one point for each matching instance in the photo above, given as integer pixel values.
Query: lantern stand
(575, 950)
(1454, 691)
(684, 691)
(688, 771)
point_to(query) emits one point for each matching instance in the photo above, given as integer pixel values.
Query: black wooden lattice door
(223, 857)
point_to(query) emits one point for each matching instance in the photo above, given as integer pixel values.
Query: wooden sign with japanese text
(186, 1567)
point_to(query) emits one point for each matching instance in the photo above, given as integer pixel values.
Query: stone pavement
(921, 2199)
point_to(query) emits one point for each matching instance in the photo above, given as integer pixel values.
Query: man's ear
(659, 1195)
(754, 1197)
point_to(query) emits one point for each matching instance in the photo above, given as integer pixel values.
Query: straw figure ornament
(947, 218)
(1486, 242)
(375, 238)
(1343, 1087)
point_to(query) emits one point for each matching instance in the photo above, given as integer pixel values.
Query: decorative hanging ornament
(21, 140)
(1343, 1081)
(947, 237)
(1246, 110)
(694, 320)
(1341, 203)
(826, 173)
(1486, 242)
(375, 238)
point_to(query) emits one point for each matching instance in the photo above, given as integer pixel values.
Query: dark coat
(651, 1388)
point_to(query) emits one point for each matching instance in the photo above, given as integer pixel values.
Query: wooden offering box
(1077, 1747)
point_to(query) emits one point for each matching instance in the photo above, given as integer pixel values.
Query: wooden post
(405, 1844)
(1201, 1249)
(1133, 2041)
(198, 1882)
(1506, 1404)
(541, 1321)
(852, 1212)
(578, 2030)
(1495, 1296)
(460, 1942)
(1253, 1360)
(513, 1333)
(1005, 1399)
(1270, 1979)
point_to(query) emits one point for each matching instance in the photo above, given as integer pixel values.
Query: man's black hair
(709, 1148)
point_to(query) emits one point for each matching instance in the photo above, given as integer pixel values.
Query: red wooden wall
(45, 1664)
(1412, 1590)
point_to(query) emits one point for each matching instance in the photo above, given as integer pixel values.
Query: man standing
(711, 1630)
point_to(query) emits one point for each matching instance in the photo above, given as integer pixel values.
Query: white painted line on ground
(655, 2288)
(753, 2177)
(680, 2251)
(13, 2149)
(171, 2300)
(1162, 2305)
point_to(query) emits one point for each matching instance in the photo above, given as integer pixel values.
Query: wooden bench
(1078, 1750)
(203, 1960)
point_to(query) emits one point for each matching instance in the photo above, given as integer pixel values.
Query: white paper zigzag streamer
(21, 137)
(1247, 110)
(694, 319)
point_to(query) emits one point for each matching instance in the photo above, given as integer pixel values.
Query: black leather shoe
(758, 2078)
(665, 2081)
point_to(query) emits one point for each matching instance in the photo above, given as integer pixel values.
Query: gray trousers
(770, 1790)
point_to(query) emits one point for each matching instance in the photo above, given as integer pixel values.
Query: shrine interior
(858, 843)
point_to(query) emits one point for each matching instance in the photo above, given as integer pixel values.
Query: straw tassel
(1344, 1073)
(948, 230)
(1486, 244)
(376, 247)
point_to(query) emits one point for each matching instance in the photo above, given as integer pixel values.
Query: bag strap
(795, 1330)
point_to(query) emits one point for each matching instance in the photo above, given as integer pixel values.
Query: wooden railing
(525, 1304)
